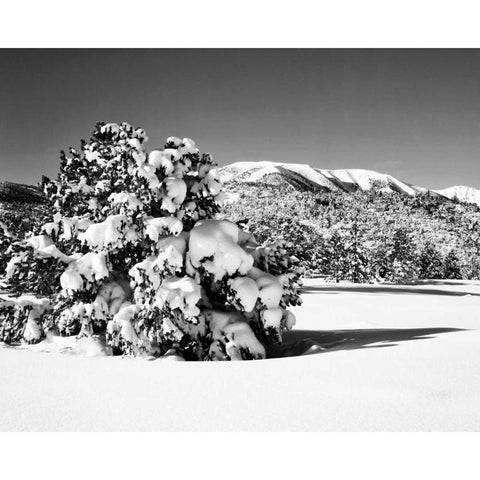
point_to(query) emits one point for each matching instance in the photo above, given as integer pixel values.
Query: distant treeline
(365, 237)
(360, 237)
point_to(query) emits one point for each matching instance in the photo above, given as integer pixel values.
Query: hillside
(18, 193)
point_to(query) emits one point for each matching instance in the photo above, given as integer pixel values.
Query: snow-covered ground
(401, 358)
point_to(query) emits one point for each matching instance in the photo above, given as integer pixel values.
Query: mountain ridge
(304, 177)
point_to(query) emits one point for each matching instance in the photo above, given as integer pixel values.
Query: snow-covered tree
(402, 257)
(337, 255)
(133, 253)
(451, 266)
(356, 256)
(430, 262)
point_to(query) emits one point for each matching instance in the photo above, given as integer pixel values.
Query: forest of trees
(359, 237)
(364, 237)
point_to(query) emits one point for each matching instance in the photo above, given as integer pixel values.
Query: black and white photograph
(233, 239)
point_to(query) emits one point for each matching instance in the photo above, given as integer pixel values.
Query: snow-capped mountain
(462, 194)
(306, 177)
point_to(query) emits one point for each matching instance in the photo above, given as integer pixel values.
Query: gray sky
(412, 113)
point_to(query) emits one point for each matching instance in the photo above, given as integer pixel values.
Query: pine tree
(451, 266)
(402, 258)
(356, 257)
(380, 258)
(336, 249)
(430, 262)
(133, 254)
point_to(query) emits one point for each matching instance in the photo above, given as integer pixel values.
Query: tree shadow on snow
(435, 282)
(383, 289)
(308, 342)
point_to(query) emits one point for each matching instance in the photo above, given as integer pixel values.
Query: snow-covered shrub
(134, 253)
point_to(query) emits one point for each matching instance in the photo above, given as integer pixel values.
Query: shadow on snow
(307, 342)
(383, 289)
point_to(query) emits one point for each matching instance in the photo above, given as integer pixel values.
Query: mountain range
(299, 176)
(306, 178)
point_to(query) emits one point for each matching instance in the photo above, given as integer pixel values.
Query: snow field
(372, 358)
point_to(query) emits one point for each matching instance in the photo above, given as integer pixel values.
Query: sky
(412, 113)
